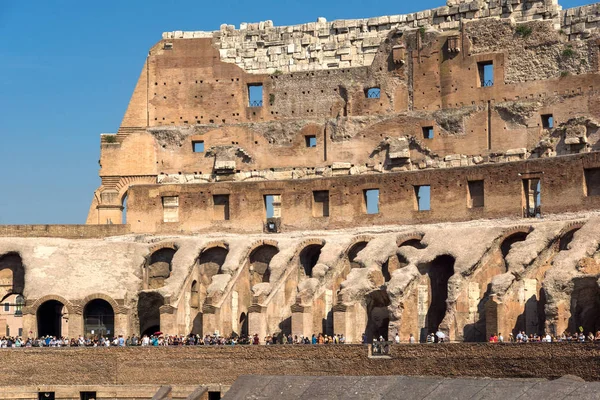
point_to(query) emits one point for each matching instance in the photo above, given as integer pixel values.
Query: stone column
(349, 320)
(168, 322)
(210, 319)
(257, 321)
(122, 326)
(302, 321)
(29, 323)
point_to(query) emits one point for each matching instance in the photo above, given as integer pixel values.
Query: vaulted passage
(159, 268)
(12, 275)
(210, 263)
(98, 319)
(507, 244)
(435, 293)
(260, 259)
(309, 257)
(378, 316)
(149, 312)
(50, 318)
(585, 306)
(353, 253)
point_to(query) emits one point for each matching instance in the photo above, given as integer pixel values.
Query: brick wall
(63, 231)
(222, 365)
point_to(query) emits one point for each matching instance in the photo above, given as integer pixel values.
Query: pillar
(257, 321)
(302, 321)
(350, 320)
(210, 315)
(168, 320)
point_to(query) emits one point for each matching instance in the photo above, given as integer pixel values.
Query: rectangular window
(547, 121)
(198, 146)
(221, 207)
(373, 93)
(6, 307)
(532, 196)
(423, 197)
(475, 194)
(214, 395)
(320, 203)
(20, 332)
(592, 181)
(371, 197)
(273, 205)
(170, 208)
(486, 73)
(428, 132)
(255, 95)
(45, 395)
(87, 395)
(311, 141)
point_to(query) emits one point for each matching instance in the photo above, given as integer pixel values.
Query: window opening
(321, 203)
(371, 201)
(374, 93)
(475, 194)
(532, 194)
(273, 205)
(547, 121)
(221, 207)
(255, 95)
(428, 132)
(198, 146)
(214, 395)
(87, 395)
(6, 307)
(423, 195)
(592, 181)
(311, 141)
(486, 73)
(46, 396)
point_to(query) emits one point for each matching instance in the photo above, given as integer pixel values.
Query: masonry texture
(400, 174)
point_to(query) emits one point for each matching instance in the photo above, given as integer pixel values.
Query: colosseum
(401, 174)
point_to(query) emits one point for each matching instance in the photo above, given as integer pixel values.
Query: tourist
(412, 339)
(397, 338)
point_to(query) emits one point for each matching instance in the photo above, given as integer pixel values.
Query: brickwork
(63, 231)
(222, 365)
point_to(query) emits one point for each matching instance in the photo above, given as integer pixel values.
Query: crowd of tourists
(159, 339)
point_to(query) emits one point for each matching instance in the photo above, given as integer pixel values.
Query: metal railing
(380, 348)
(532, 212)
(256, 103)
(374, 93)
(485, 83)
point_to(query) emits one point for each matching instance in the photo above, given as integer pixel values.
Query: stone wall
(264, 48)
(224, 364)
(64, 231)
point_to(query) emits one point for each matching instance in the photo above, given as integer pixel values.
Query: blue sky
(67, 71)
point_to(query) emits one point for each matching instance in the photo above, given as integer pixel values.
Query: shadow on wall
(378, 317)
(438, 272)
(585, 306)
(476, 332)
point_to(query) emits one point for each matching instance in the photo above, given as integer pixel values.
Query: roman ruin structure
(407, 173)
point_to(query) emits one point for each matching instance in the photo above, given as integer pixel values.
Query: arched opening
(12, 275)
(353, 253)
(566, 239)
(438, 273)
(309, 257)
(416, 243)
(51, 316)
(210, 263)
(507, 243)
(124, 212)
(378, 316)
(393, 264)
(244, 324)
(148, 309)
(194, 295)
(585, 305)
(260, 259)
(159, 267)
(98, 319)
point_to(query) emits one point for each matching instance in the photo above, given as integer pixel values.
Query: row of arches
(52, 318)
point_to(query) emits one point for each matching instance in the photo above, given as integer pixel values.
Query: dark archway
(585, 305)
(49, 318)
(566, 239)
(159, 267)
(507, 243)
(260, 259)
(244, 324)
(210, 263)
(98, 319)
(148, 308)
(416, 243)
(12, 270)
(378, 315)
(438, 272)
(353, 253)
(309, 257)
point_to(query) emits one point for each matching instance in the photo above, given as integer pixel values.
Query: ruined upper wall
(264, 48)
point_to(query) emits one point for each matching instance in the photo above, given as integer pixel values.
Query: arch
(378, 316)
(211, 261)
(353, 251)
(115, 306)
(194, 295)
(37, 303)
(411, 240)
(585, 305)
(309, 256)
(98, 318)
(566, 236)
(159, 266)
(259, 263)
(12, 274)
(148, 310)
(49, 316)
(512, 237)
(438, 273)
